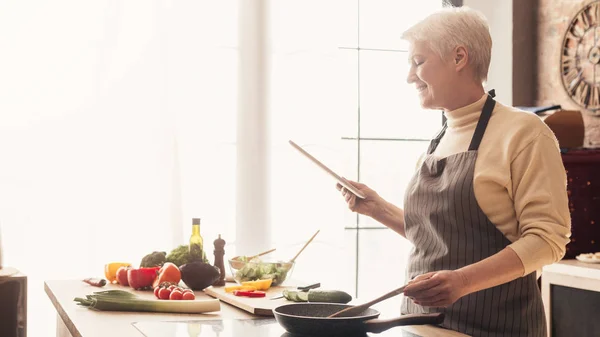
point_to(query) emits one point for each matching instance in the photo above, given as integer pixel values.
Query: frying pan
(311, 319)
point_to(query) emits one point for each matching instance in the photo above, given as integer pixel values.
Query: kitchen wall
(536, 29)
(552, 20)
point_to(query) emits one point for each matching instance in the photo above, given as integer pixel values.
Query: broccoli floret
(154, 259)
(181, 255)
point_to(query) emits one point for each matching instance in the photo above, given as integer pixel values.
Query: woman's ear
(461, 57)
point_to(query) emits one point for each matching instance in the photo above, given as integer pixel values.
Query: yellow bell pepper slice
(231, 289)
(259, 284)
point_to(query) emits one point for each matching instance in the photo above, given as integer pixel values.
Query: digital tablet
(339, 179)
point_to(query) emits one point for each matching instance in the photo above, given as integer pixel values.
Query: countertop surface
(575, 268)
(229, 322)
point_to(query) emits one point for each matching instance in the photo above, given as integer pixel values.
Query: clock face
(580, 58)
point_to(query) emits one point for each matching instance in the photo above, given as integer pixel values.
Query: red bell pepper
(142, 277)
(249, 293)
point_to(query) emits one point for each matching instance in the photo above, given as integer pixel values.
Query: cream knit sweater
(519, 182)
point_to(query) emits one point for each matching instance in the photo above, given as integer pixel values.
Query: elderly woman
(487, 205)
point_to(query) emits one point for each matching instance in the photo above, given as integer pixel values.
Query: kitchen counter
(575, 268)
(75, 321)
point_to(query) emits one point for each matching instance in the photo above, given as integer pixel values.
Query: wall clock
(580, 58)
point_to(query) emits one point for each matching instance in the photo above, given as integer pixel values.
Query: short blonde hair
(450, 27)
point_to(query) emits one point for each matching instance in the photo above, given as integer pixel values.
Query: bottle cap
(195, 221)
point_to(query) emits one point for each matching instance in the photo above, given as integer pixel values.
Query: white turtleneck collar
(467, 114)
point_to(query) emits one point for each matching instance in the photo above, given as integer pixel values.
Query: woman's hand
(369, 206)
(374, 206)
(437, 289)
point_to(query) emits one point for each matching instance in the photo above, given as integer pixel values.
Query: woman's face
(433, 77)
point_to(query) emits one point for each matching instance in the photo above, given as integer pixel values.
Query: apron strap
(486, 113)
(435, 141)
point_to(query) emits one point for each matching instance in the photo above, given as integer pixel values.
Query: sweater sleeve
(540, 198)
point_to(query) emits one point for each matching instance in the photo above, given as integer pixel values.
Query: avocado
(199, 275)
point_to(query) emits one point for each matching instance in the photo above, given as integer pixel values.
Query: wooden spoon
(352, 311)
(306, 244)
(257, 255)
(240, 264)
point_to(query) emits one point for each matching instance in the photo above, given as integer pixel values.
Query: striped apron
(449, 230)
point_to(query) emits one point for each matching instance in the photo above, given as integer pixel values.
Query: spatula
(352, 311)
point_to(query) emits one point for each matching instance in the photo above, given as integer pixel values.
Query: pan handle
(381, 325)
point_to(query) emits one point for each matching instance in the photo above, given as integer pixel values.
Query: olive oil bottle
(196, 242)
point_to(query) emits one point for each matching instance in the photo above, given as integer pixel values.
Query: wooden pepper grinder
(219, 263)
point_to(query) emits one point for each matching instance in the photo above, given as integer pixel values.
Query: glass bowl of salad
(244, 270)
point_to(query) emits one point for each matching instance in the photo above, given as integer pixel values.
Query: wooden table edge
(62, 313)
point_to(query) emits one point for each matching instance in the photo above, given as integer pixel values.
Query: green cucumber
(317, 295)
(328, 296)
(302, 296)
(291, 295)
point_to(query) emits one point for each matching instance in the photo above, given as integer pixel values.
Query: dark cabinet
(13, 303)
(574, 312)
(583, 187)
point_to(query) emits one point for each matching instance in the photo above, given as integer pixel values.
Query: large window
(118, 125)
(339, 89)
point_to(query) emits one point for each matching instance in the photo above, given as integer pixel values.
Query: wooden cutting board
(262, 306)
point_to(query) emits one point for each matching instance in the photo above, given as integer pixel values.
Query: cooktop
(231, 328)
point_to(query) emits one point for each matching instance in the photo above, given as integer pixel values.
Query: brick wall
(553, 18)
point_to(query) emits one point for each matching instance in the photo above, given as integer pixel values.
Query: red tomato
(122, 276)
(189, 296)
(156, 291)
(176, 295)
(164, 293)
